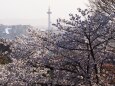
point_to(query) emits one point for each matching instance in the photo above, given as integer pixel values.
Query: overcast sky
(34, 12)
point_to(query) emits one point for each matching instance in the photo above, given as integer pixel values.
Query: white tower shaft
(49, 19)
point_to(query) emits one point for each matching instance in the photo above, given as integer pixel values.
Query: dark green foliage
(4, 59)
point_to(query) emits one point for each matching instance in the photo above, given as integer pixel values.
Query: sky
(34, 12)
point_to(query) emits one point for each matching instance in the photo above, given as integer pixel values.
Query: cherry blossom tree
(81, 47)
(74, 56)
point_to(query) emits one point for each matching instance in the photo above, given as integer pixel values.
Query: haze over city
(34, 12)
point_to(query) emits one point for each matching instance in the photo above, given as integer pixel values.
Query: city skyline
(35, 12)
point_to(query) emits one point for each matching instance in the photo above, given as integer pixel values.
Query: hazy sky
(35, 11)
